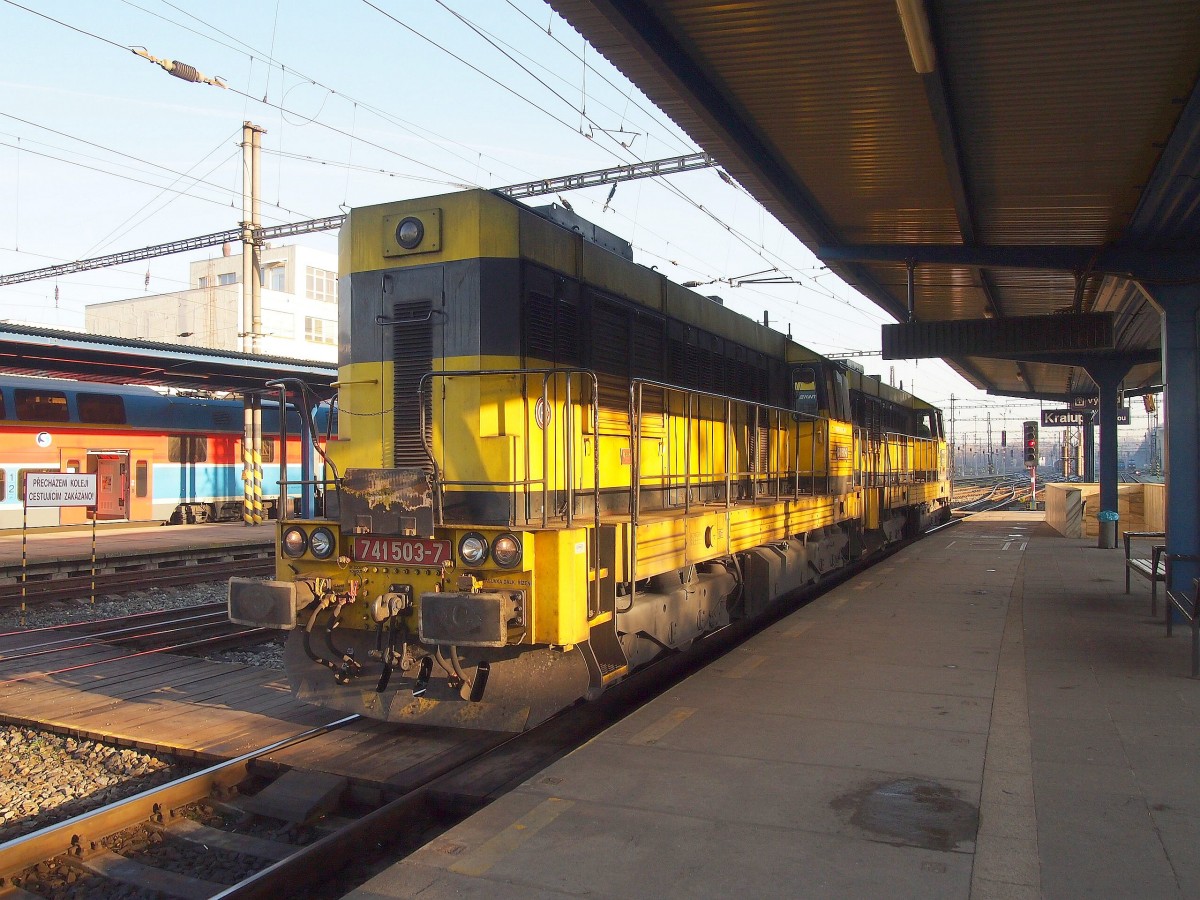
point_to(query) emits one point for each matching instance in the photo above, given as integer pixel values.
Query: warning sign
(60, 489)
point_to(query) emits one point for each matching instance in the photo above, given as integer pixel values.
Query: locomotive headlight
(322, 543)
(473, 549)
(410, 232)
(295, 542)
(506, 551)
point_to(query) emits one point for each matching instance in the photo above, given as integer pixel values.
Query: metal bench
(1152, 569)
(1187, 607)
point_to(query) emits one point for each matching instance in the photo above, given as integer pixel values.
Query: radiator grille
(412, 344)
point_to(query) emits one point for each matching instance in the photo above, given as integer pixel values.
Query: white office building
(299, 307)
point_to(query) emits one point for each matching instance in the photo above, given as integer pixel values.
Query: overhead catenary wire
(282, 107)
(413, 128)
(739, 236)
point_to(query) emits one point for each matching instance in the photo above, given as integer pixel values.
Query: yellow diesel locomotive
(553, 464)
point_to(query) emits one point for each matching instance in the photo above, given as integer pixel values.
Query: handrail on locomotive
(882, 460)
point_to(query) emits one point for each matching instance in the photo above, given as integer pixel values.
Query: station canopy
(51, 353)
(1033, 162)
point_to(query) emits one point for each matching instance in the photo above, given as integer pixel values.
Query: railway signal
(1031, 445)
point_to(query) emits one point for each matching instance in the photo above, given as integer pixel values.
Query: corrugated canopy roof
(52, 353)
(1042, 126)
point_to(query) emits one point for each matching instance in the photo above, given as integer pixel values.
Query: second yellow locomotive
(553, 464)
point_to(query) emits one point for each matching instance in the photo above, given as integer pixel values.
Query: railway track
(183, 630)
(350, 833)
(131, 573)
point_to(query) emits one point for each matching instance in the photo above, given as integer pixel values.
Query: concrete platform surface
(984, 715)
(76, 542)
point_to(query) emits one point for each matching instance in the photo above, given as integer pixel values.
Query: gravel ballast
(47, 777)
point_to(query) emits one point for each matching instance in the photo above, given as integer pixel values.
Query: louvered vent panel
(412, 345)
(539, 327)
(649, 348)
(566, 334)
(610, 338)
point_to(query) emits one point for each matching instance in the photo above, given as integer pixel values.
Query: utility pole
(991, 457)
(252, 505)
(953, 451)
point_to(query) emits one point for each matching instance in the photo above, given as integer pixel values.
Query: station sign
(1066, 418)
(60, 489)
(1076, 418)
(1085, 401)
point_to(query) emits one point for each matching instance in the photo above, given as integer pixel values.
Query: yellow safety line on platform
(798, 630)
(744, 668)
(496, 848)
(654, 733)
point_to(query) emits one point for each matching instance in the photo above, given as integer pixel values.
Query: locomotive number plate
(406, 551)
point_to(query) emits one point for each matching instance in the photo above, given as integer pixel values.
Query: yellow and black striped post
(24, 558)
(247, 461)
(257, 458)
(93, 556)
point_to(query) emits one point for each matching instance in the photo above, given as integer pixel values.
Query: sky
(366, 101)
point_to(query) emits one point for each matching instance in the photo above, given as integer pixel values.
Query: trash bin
(1108, 529)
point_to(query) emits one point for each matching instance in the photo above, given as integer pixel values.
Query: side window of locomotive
(141, 479)
(839, 406)
(41, 406)
(187, 448)
(804, 390)
(268, 450)
(101, 409)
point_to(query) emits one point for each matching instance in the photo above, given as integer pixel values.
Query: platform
(984, 715)
(75, 543)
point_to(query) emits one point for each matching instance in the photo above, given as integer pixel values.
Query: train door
(112, 485)
(141, 495)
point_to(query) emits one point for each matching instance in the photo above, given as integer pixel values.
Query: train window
(101, 409)
(21, 473)
(141, 479)
(185, 448)
(41, 406)
(268, 450)
(3, 483)
(804, 390)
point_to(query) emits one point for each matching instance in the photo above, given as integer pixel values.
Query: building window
(101, 409)
(203, 281)
(320, 331)
(183, 448)
(227, 278)
(321, 284)
(41, 406)
(278, 323)
(277, 278)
